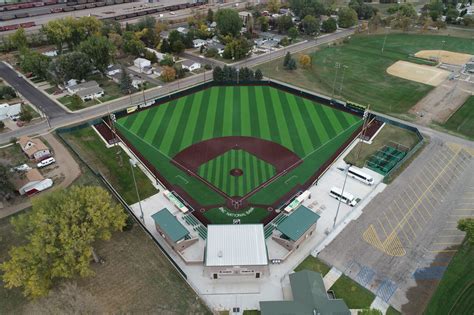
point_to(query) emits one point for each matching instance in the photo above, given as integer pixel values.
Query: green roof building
(309, 298)
(172, 230)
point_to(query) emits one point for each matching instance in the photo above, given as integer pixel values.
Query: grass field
(462, 121)
(312, 131)
(135, 278)
(365, 80)
(314, 264)
(352, 293)
(113, 166)
(255, 172)
(455, 292)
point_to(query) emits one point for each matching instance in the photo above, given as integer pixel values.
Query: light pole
(338, 65)
(439, 52)
(346, 171)
(133, 164)
(344, 67)
(385, 39)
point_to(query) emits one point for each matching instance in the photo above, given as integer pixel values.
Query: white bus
(345, 197)
(360, 176)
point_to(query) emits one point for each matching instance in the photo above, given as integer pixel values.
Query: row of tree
(232, 74)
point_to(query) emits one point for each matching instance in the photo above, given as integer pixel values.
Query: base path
(444, 56)
(418, 73)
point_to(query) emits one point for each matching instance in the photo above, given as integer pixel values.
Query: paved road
(60, 118)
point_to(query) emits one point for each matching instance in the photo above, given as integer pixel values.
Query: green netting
(385, 159)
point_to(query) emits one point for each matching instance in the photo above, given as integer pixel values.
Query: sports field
(267, 116)
(365, 79)
(462, 121)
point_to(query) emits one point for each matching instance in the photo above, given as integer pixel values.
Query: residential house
(218, 46)
(197, 43)
(157, 70)
(90, 93)
(34, 148)
(159, 56)
(182, 30)
(190, 65)
(245, 16)
(137, 82)
(74, 88)
(10, 111)
(30, 182)
(271, 36)
(143, 65)
(164, 34)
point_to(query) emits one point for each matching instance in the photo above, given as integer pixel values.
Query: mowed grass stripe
(228, 108)
(281, 120)
(256, 177)
(219, 174)
(173, 126)
(271, 119)
(321, 130)
(254, 118)
(157, 138)
(127, 122)
(219, 120)
(233, 158)
(190, 126)
(150, 133)
(293, 126)
(245, 127)
(210, 115)
(247, 171)
(146, 122)
(240, 165)
(139, 121)
(236, 109)
(226, 178)
(309, 123)
(342, 117)
(179, 134)
(300, 123)
(332, 118)
(198, 132)
(264, 128)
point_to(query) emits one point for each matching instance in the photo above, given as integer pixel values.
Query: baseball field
(242, 148)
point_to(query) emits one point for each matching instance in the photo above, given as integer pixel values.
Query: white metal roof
(236, 245)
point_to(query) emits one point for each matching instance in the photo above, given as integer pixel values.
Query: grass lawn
(314, 264)
(114, 166)
(392, 311)
(252, 312)
(75, 103)
(312, 131)
(365, 78)
(389, 133)
(12, 155)
(455, 292)
(135, 278)
(462, 121)
(51, 90)
(352, 293)
(225, 216)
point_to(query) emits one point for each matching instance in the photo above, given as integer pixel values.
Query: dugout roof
(297, 223)
(170, 225)
(235, 245)
(309, 297)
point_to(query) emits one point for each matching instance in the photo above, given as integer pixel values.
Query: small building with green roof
(309, 298)
(296, 228)
(174, 233)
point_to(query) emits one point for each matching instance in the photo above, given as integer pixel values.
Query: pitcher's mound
(418, 73)
(444, 56)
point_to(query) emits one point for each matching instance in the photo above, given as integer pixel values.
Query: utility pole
(362, 133)
(346, 171)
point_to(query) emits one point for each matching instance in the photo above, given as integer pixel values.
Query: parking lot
(406, 236)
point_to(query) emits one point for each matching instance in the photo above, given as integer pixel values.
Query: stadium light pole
(133, 164)
(346, 171)
(344, 67)
(337, 66)
(385, 39)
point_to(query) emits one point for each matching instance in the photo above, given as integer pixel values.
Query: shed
(169, 225)
(297, 223)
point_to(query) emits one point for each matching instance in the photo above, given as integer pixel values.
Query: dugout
(174, 233)
(296, 228)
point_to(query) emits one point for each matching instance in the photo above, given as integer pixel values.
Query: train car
(7, 17)
(72, 3)
(39, 4)
(28, 24)
(79, 7)
(56, 10)
(26, 5)
(118, 1)
(90, 5)
(100, 4)
(152, 11)
(68, 9)
(81, 1)
(120, 17)
(109, 2)
(131, 15)
(12, 7)
(50, 2)
(140, 13)
(22, 15)
(9, 27)
(90, 1)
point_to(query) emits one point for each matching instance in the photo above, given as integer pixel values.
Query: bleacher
(268, 230)
(197, 226)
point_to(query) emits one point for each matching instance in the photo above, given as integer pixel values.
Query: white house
(31, 182)
(182, 30)
(137, 81)
(142, 64)
(197, 43)
(74, 88)
(157, 70)
(10, 111)
(190, 65)
(113, 70)
(34, 148)
(90, 93)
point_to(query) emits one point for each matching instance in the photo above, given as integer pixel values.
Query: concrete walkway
(331, 277)
(380, 305)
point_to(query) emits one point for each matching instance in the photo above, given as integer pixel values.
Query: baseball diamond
(277, 142)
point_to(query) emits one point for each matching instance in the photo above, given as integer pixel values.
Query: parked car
(46, 162)
(21, 168)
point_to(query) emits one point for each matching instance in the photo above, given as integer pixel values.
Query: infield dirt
(418, 73)
(444, 56)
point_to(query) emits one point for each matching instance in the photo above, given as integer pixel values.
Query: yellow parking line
(444, 251)
(388, 220)
(424, 207)
(450, 243)
(414, 219)
(383, 229)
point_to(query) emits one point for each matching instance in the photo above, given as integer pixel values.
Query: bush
(7, 93)
(207, 66)
(329, 26)
(25, 115)
(211, 52)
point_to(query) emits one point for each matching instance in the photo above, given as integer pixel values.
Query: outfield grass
(225, 216)
(462, 121)
(313, 131)
(255, 172)
(352, 293)
(135, 278)
(365, 78)
(115, 167)
(389, 133)
(455, 292)
(314, 264)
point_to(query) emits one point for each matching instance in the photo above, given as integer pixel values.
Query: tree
(18, 39)
(60, 231)
(237, 49)
(228, 22)
(168, 74)
(167, 61)
(6, 187)
(273, 6)
(125, 82)
(305, 61)
(467, 225)
(7, 92)
(329, 26)
(451, 15)
(217, 74)
(165, 46)
(286, 59)
(100, 50)
(34, 62)
(210, 16)
(25, 115)
(132, 45)
(311, 25)
(73, 65)
(263, 22)
(291, 64)
(293, 33)
(284, 23)
(303, 8)
(258, 75)
(178, 47)
(347, 17)
(57, 33)
(246, 74)
(364, 11)
(110, 27)
(116, 40)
